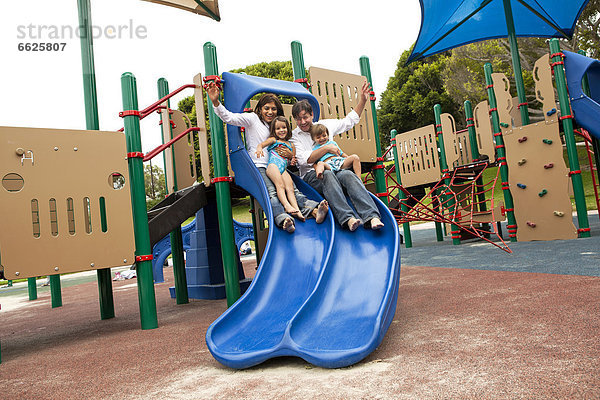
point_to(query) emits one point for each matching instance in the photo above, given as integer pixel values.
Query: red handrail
(153, 153)
(154, 106)
(157, 105)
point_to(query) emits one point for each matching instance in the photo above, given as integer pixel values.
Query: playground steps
(175, 209)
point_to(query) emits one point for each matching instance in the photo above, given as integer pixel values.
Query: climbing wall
(538, 176)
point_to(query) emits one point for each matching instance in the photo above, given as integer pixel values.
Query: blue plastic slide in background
(586, 109)
(324, 294)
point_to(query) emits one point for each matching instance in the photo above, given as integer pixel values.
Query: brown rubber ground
(457, 333)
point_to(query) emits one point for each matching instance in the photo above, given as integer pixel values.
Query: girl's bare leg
(353, 162)
(289, 190)
(277, 179)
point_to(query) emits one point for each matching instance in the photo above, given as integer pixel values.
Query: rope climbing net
(461, 198)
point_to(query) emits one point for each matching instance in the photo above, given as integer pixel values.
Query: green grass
(240, 209)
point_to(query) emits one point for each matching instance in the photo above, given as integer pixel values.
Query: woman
(256, 125)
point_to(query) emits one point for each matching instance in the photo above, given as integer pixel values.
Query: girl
(280, 134)
(320, 135)
(257, 130)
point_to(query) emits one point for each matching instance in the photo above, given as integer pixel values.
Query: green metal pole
(145, 280)
(516, 61)
(437, 110)
(181, 289)
(380, 186)
(471, 129)
(298, 63)
(401, 195)
(55, 292)
(482, 206)
(255, 215)
(439, 231)
(217, 136)
(567, 123)
(508, 199)
(32, 288)
(105, 294)
(595, 141)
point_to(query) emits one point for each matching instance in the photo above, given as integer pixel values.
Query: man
(333, 184)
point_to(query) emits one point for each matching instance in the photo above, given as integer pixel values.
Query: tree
(464, 77)
(154, 181)
(407, 103)
(281, 70)
(587, 30)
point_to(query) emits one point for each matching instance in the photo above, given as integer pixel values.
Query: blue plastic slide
(586, 108)
(324, 294)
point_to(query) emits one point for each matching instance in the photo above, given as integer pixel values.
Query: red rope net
(466, 201)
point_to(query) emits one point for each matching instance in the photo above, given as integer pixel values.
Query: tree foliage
(587, 30)
(154, 181)
(464, 77)
(281, 70)
(407, 103)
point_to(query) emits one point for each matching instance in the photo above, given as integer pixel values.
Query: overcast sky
(44, 89)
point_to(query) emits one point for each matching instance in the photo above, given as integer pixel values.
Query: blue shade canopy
(446, 24)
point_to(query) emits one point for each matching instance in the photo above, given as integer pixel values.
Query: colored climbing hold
(543, 193)
(522, 161)
(521, 186)
(531, 224)
(547, 141)
(523, 139)
(551, 112)
(549, 165)
(504, 124)
(559, 213)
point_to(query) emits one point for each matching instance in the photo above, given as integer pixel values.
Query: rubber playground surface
(471, 322)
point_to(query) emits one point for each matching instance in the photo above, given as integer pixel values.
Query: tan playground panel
(543, 208)
(183, 149)
(418, 156)
(337, 94)
(456, 145)
(203, 133)
(52, 224)
(483, 130)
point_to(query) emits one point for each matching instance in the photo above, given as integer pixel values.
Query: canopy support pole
(516, 61)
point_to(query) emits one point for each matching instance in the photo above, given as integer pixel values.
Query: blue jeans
(279, 215)
(332, 187)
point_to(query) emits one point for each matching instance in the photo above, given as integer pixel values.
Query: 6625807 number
(41, 46)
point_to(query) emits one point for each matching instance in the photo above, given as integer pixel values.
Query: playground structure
(534, 177)
(317, 277)
(330, 293)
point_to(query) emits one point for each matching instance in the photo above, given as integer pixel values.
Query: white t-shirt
(304, 143)
(257, 131)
